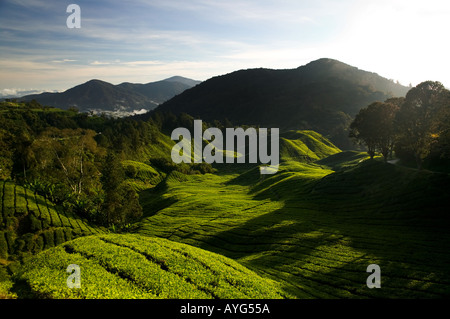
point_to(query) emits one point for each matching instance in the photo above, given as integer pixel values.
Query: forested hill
(123, 99)
(95, 95)
(322, 96)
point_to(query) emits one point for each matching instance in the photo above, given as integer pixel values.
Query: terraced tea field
(133, 266)
(308, 231)
(316, 230)
(30, 223)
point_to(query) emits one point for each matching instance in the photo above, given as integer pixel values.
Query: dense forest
(322, 96)
(416, 128)
(77, 159)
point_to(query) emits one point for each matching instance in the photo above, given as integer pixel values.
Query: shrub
(3, 246)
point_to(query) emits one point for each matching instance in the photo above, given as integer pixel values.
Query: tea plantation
(132, 266)
(30, 223)
(308, 231)
(316, 230)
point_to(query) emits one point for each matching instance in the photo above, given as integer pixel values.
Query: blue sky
(143, 41)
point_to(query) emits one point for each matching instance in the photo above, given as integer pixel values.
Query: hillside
(322, 96)
(316, 230)
(123, 99)
(308, 231)
(95, 95)
(133, 266)
(30, 223)
(305, 146)
(160, 91)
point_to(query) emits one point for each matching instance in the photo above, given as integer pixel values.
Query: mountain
(123, 99)
(323, 96)
(161, 91)
(186, 81)
(95, 95)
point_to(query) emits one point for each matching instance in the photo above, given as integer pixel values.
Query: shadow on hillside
(152, 200)
(320, 243)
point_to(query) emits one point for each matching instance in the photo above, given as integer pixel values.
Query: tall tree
(417, 121)
(386, 131)
(374, 127)
(440, 152)
(6, 154)
(68, 156)
(121, 204)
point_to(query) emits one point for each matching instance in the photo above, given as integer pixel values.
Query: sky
(142, 41)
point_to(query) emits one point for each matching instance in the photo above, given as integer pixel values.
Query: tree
(417, 121)
(6, 155)
(121, 204)
(374, 126)
(440, 149)
(68, 156)
(112, 177)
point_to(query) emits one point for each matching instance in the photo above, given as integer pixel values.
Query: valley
(104, 193)
(311, 230)
(316, 230)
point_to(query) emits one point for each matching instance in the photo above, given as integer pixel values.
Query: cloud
(63, 61)
(37, 4)
(140, 63)
(62, 76)
(128, 63)
(143, 40)
(100, 63)
(14, 92)
(259, 11)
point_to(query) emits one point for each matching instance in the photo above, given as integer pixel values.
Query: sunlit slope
(343, 160)
(31, 223)
(305, 146)
(133, 266)
(316, 230)
(141, 175)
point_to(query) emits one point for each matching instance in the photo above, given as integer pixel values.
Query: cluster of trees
(74, 158)
(416, 128)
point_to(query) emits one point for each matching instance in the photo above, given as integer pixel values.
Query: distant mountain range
(323, 96)
(122, 99)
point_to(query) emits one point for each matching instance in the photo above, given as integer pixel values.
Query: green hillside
(305, 146)
(316, 230)
(141, 175)
(308, 231)
(30, 223)
(133, 266)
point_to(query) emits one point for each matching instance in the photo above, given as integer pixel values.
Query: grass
(30, 223)
(140, 175)
(308, 231)
(316, 230)
(342, 160)
(305, 145)
(132, 266)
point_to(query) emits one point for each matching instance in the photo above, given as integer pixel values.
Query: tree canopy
(374, 126)
(416, 127)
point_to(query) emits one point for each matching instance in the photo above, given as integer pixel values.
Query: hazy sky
(144, 41)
